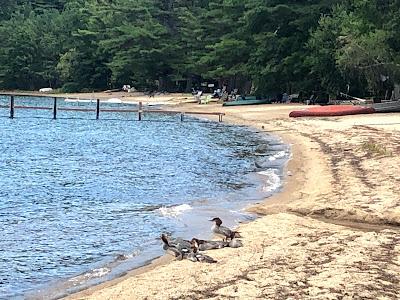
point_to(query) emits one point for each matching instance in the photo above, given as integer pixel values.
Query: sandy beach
(332, 233)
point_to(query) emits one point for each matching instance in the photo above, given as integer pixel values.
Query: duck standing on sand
(223, 231)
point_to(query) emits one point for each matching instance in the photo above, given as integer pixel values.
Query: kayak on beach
(332, 110)
(246, 101)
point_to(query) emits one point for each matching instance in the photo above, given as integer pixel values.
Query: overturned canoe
(332, 110)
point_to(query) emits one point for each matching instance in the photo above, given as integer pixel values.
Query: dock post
(55, 108)
(12, 107)
(182, 114)
(97, 109)
(220, 117)
(140, 111)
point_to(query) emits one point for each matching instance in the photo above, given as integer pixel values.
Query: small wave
(121, 257)
(99, 272)
(96, 273)
(280, 154)
(273, 181)
(174, 211)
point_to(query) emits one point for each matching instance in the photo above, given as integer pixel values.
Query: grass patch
(372, 147)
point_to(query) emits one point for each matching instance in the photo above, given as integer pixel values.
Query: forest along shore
(333, 231)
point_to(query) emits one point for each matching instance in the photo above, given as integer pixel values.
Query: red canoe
(332, 110)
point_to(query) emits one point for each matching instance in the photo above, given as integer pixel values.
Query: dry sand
(332, 233)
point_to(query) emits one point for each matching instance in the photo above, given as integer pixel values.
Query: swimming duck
(223, 231)
(203, 245)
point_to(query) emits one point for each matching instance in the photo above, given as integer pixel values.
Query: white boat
(45, 90)
(154, 103)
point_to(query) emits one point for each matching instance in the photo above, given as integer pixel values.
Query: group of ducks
(181, 248)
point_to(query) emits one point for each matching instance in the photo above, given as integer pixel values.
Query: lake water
(82, 201)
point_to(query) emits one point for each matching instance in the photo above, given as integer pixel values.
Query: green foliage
(372, 148)
(29, 51)
(269, 45)
(354, 45)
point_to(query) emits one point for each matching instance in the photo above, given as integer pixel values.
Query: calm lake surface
(82, 201)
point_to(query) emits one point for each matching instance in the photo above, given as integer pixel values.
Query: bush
(71, 87)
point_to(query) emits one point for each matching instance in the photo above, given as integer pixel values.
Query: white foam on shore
(273, 181)
(174, 211)
(96, 273)
(99, 272)
(280, 154)
(114, 100)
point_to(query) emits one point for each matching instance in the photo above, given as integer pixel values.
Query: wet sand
(332, 233)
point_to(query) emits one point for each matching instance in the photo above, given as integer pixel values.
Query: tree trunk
(189, 83)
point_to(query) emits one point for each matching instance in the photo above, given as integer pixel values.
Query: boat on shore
(252, 100)
(332, 110)
(386, 107)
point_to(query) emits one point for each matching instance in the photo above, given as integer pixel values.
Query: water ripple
(77, 194)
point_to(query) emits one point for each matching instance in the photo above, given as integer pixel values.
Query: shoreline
(318, 237)
(165, 258)
(50, 290)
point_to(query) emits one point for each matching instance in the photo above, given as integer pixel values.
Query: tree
(353, 45)
(29, 52)
(271, 45)
(280, 32)
(227, 47)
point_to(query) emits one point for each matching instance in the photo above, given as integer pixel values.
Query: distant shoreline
(163, 98)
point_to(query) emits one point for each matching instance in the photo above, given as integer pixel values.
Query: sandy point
(332, 233)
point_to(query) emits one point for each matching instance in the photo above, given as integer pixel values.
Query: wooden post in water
(97, 109)
(55, 108)
(182, 114)
(140, 110)
(12, 107)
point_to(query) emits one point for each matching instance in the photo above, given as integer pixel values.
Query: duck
(223, 231)
(180, 251)
(203, 245)
(195, 256)
(235, 243)
(179, 243)
(170, 248)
